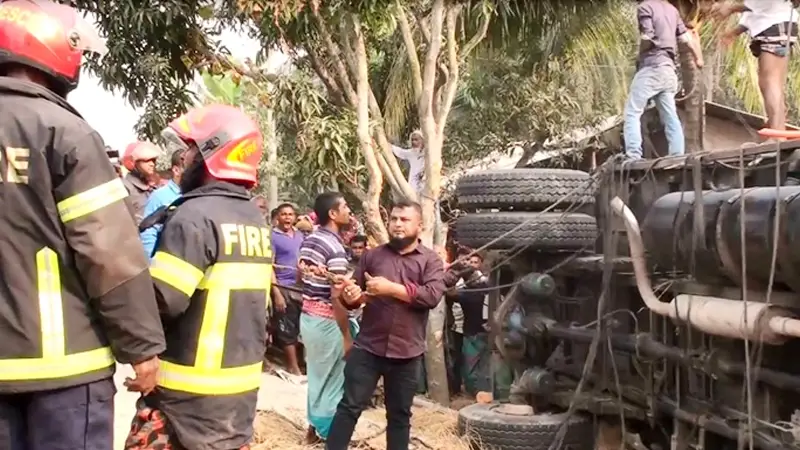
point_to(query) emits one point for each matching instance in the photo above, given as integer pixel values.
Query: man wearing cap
(141, 180)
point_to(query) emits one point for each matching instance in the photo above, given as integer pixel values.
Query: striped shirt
(322, 248)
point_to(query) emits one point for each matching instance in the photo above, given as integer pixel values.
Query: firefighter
(212, 271)
(75, 291)
(141, 179)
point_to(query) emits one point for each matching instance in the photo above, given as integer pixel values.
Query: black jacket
(212, 270)
(75, 291)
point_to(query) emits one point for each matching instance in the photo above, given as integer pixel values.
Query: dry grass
(430, 429)
(273, 432)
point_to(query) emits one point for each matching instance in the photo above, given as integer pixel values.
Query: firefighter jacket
(75, 291)
(212, 270)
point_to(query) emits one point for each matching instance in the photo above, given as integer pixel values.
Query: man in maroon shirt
(400, 282)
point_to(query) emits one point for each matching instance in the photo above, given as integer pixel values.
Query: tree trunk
(272, 158)
(435, 365)
(372, 203)
(694, 106)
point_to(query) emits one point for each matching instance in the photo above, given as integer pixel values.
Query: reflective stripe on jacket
(71, 263)
(212, 270)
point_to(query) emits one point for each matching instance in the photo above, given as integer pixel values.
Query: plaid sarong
(150, 430)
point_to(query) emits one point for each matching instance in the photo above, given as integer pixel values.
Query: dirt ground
(430, 430)
(281, 422)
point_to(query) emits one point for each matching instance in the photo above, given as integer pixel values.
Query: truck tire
(487, 428)
(536, 231)
(524, 189)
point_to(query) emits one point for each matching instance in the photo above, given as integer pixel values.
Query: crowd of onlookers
(333, 296)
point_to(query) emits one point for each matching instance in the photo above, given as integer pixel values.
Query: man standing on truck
(772, 27)
(212, 270)
(660, 29)
(75, 291)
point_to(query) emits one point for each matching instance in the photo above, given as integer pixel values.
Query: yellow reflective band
(220, 280)
(234, 276)
(233, 380)
(206, 376)
(64, 366)
(51, 311)
(211, 341)
(175, 272)
(54, 362)
(91, 200)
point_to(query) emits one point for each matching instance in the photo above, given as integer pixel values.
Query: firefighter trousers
(76, 418)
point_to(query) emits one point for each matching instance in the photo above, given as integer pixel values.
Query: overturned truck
(660, 298)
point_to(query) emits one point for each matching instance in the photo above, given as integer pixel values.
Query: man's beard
(193, 174)
(399, 243)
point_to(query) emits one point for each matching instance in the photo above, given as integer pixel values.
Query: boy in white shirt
(772, 27)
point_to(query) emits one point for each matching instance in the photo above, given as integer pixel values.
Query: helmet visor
(173, 140)
(85, 37)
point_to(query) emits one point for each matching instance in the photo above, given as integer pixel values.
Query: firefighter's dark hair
(176, 159)
(406, 203)
(324, 204)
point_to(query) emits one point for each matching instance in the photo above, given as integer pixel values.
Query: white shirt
(416, 165)
(766, 13)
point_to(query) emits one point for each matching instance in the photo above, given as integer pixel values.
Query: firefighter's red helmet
(228, 139)
(49, 37)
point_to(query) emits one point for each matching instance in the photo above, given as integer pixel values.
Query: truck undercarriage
(657, 296)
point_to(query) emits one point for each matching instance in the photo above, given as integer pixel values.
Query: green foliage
(154, 48)
(501, 104)
(225, 89)
(319, 149)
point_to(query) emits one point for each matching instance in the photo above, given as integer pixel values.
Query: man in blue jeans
(660, 29)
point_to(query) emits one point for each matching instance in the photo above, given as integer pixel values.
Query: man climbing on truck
(772, 27)
(660, 30)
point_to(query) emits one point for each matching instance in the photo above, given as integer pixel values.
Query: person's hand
(279, 303)
(378, 285)
(699, 63)
(348, 345)
(146, 376)
(352, 294)
(339, 283)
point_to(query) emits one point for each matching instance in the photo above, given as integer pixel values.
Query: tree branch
(322, 72)
(411, 49)
(479, 36)
(336, 58)
(425, 100)
(453, 63)
(349, 52)
(423, 28)
(392, 168)
(365, 143)
(394, 182)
